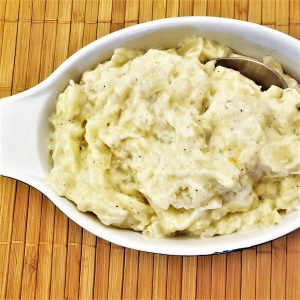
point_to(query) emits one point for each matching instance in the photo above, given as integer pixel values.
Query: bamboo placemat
(43, 254)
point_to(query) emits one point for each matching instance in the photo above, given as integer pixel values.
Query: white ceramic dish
(24, 121)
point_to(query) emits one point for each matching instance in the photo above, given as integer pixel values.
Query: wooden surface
(44, 254)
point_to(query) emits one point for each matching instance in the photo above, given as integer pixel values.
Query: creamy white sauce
(163, 142)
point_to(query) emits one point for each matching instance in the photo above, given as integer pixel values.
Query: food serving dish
(24, 126)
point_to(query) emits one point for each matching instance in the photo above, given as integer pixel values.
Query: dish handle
(21, 126)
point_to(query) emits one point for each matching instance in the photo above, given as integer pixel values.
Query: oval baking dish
(24, 125)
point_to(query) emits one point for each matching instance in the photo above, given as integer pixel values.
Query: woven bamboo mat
(43, 254)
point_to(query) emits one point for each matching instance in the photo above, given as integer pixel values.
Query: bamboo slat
(282, 12)
(58, 268)
(200, 7)
(8, 48)
(22, 47)
(174, 276)
(45, 255)
(91, 18)
(282, 16)
(132, 12)
(43, 280)
(189, 277)
(227, 9)
(255, 11)
(294, 18)
(218, 276)
(59, 251)
(159, 287)
(2, 17)
(8, 186)
(145, 276)
(104, 17)
(7, 203)
(87, 268)
(29, 273)
(145, 12)
(62, 32)
(73, 261)
(172, 8)
(102, 262)
(185, 8)
(233, 275)
(35, 46)
(214, 8)
(115, 272)
(204, 277)
(129, 289)
(87, 265)
(268, 13)
(278, 268)
(241, 9)
(248, 282)
(118, 15)
(49, 37)
(295, 30)
(14, 277)
(45, 249)
(74, 231)
(263, 271)
(293, 265)
(159, 9)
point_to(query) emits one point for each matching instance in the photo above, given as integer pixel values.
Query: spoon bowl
(24, 125)
(260, 73)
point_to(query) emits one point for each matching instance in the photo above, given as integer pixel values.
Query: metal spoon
(260, 73)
